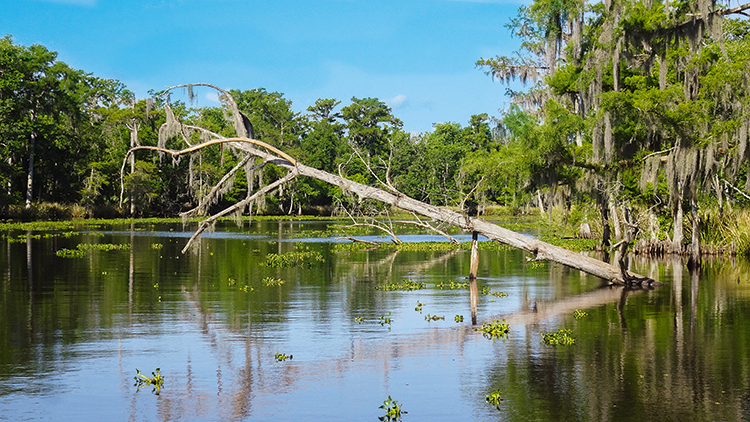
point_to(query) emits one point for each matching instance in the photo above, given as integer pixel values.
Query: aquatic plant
(359, 320)
(418, 308)
(393, 411)
(487, 291)
(453, 285)
(300, 256)
(156, 380)
(458, 318)
(579, 313)
(386, 319)
(82, 248)
(71, 253)
(271, 281)
(494, 398)
(407, 285)
(430, 318)
(156, 246)
(280, 357)
(103, 246)
(494, 330)
(247, 288)
(561, 336)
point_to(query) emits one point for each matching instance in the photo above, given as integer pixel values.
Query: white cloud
(396, 101)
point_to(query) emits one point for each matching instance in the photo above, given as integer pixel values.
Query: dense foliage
(635, 118)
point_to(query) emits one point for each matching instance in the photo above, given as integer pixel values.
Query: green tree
(48, 123)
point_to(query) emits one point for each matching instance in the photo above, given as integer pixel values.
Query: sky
(417, 56)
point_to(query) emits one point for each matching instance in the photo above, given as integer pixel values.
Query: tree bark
(30, 173)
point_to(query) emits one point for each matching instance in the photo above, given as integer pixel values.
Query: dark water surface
(74, 330)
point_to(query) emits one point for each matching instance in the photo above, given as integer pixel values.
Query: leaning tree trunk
(30, 173)
(540, 250)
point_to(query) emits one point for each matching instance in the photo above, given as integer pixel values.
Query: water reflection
(679, 352)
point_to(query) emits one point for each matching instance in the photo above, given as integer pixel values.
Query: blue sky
(416, 55)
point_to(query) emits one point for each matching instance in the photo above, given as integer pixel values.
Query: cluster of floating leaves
(302, 255)
(420, 246)
(280, 357)
(406, 285)
(103, 246)
(494, 398)
(495, 329)
(386, 319)
(393, 411)
(561, 336)
(272, 281)
(453, 285)
(156, 380)
(82, 248)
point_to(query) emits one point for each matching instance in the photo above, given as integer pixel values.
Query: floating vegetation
(386, 319)
(359, 320)
(487, 291)
(392, 409)
(536, 264)
(430, 318)
(562, 336)
(495, 329)
(418, 308)
(156, 246)
(420, 246)
(231, 282)
(302, 255)
(494, 398)
(458, 318)
(453, 285)
(82, 248)
(280, 357)
(271, 281)
(247, 288)
(573, 244)
(156, 380)
(103, 246)
(407, 285)
(579, 313)
(71, 253)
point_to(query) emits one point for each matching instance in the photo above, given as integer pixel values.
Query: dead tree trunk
(540, 250)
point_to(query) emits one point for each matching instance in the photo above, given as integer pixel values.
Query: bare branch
(420, 223)
(238, 206)
(212, 195)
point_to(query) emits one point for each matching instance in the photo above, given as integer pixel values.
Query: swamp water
(73, 330)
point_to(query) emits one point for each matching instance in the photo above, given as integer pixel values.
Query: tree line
(633, 120)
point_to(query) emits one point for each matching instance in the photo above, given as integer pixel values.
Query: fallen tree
(271, 155)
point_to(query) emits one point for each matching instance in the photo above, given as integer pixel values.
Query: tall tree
(48, 111)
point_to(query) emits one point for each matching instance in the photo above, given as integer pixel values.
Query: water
(74, 330)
